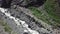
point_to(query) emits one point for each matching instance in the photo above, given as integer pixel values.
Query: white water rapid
(18, 21)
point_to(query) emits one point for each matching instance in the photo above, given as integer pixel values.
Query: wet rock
(39, 24)
(25, 33)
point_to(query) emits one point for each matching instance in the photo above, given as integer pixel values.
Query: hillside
(29, 16)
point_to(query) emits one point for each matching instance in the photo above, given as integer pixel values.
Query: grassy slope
(49, 8)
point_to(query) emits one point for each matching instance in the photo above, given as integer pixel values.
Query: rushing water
(18, 21)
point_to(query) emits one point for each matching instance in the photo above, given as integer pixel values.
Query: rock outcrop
(23, 3)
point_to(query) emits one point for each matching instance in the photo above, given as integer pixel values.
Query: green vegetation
(39, 15)
(6, 27)
(49, 8)
(35, 11)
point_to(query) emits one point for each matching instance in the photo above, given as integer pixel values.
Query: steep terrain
(29, 17)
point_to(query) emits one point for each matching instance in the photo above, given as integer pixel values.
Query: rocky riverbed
(21, 20)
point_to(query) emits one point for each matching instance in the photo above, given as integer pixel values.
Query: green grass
(35, 11)
(39, 15)
(49, 7)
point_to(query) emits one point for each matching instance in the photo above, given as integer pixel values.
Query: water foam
(18, 21)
